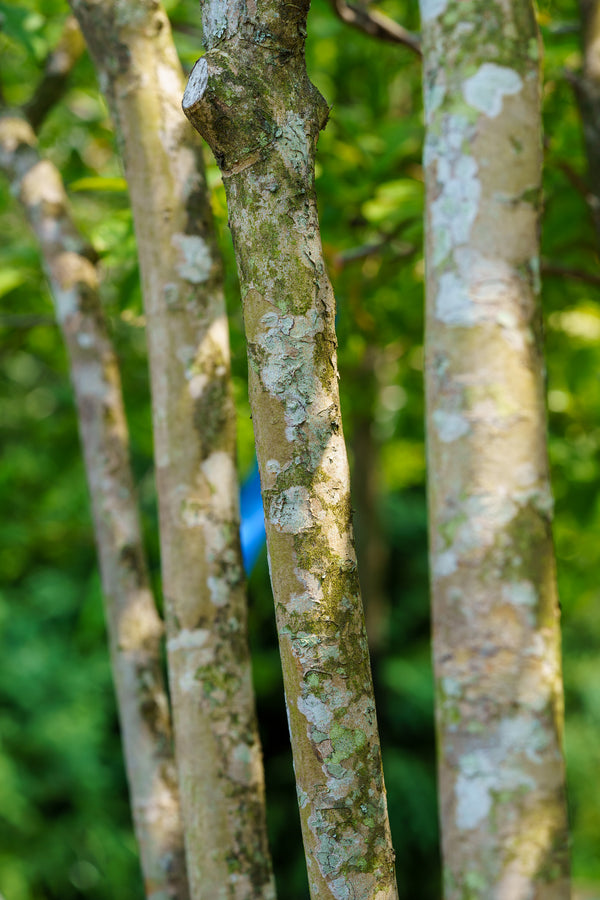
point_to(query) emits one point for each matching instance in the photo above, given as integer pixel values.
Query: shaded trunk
(134, 627)
(587, 91)
(217, 746)
(251, 99)
(495, 609)
(370, 544)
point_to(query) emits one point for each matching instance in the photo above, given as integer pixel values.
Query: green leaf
(18, 23)
(11, 279)
(396, 200)
(97, 183)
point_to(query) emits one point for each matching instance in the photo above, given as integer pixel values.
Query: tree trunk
(134, 627)
(217, 746)
(251, 99)
(371, 547)
(587, 91)
(495, 609)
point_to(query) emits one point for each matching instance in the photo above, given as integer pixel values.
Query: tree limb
(376, 24)
(57, 68)
(553, 269)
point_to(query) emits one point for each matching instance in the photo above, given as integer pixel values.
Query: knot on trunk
(246, 112)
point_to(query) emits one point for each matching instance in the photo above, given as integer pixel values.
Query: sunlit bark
(495, 608)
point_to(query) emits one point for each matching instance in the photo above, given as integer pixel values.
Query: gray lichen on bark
(495, 609)
(216, 738)
(251, 99)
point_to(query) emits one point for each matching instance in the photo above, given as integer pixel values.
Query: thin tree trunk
(251, 99)
(495, 609)
(587, 91)
(216, 738)
(371, 548)
(134, 627)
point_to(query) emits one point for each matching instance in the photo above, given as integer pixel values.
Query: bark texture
(251, 98)
(134, 627)
(495, 609)
(217, 746)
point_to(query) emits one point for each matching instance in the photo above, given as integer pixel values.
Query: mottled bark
(134, 627)
(216, 739)
(495, 609)
(251, 99)
(587, 91)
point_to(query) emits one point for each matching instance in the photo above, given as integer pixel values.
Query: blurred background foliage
(65, 828)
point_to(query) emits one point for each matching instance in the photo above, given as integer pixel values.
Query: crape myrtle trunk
(495, 609)
(134, 627)
(251, 99)
(216, 740)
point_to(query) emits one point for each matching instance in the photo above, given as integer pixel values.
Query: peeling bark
(251, 99)
(495, 609)
(216, 738)
(134, 627)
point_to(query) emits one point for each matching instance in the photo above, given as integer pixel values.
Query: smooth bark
(495, 609)
(134, 627)
(251, 99)
(217, 746)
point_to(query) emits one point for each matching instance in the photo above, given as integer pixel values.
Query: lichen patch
(485, 91)
(195, 262)
(431, 9)
(495, 769)
(454, 211)
(444, 564)
(188, 639)
(450, 426)
(290, 511)
(315, 711)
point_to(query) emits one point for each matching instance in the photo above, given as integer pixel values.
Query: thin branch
(377, 25)
(57, 68)
(27, 321)
(555, 270)
(344, 257)
(357, 253)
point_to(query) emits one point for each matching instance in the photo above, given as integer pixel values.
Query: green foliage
(64, 823)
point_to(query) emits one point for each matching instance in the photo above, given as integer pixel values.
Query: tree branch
(555, 270)
(352, 254)
(26, 321)
(57, 68)
(376, 24)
